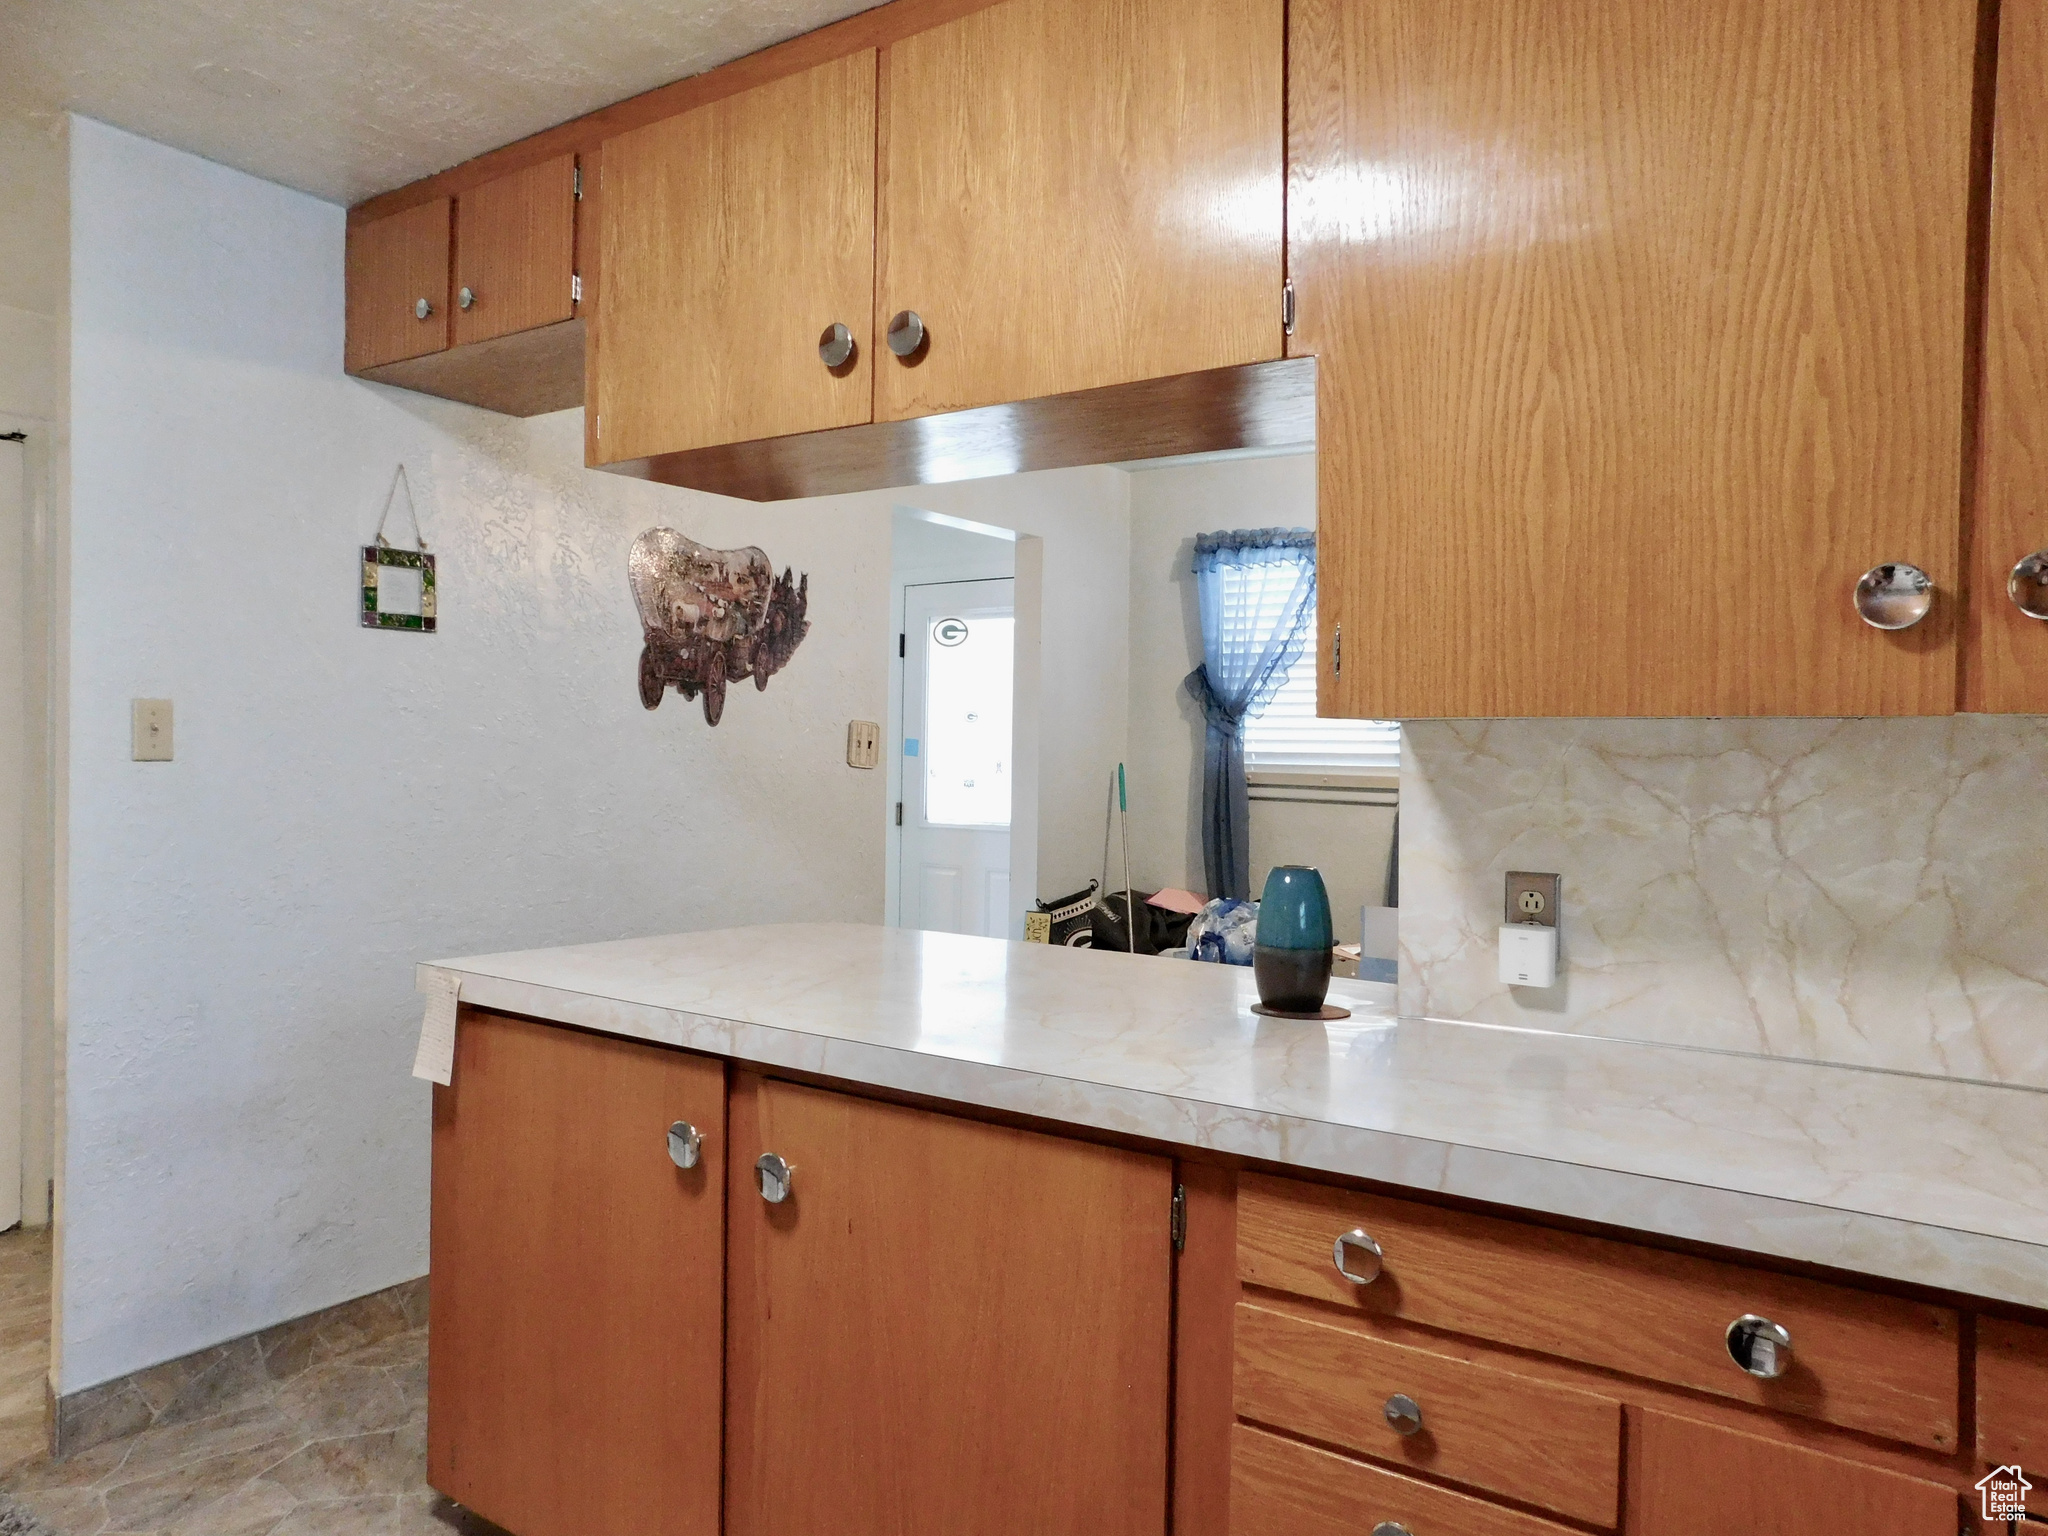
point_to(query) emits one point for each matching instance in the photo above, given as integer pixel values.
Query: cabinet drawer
(1528, 1440)
(1868, 1362)
(1280, 1488)
(2012, 1393)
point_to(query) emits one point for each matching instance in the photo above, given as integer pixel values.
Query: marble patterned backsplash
(1871, 892)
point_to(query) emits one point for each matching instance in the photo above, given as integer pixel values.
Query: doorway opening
(953, 733)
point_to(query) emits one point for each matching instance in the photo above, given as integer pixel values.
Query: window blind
(1287, 737)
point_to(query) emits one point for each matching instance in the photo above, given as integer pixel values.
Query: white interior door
(960, 644)
(14, 737)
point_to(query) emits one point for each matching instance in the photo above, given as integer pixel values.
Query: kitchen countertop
(1929, 1180)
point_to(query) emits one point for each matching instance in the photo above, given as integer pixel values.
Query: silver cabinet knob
(906, 332)
(423, 309)
(1759, 1346)
(2027, 586)
(1403, 1414)
(685, 1145)
(773, 1177)
(835, 346)
(1894, 596)
(466, 297)
(1364, 1268)
(1391, 1528)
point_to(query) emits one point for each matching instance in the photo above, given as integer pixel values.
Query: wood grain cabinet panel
(2006, 669)
(1283, 1488)
(515, 251)
(2012, 1394)
(948, 1327)
(1864, 1361)
(732, 236)
(1692, 1479)
(1641, 336)
(1534, 1441)
(392, 264)
(1078, 193)
(573, 1378)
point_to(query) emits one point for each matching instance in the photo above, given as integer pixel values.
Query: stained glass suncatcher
(376, 556)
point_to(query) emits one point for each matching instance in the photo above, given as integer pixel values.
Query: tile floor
(338, 1450)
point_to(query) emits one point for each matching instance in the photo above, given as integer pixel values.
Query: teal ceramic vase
(1291, 957)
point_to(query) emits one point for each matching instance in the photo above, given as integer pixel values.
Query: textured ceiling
(343, 98)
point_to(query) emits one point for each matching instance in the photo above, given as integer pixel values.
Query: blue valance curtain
(1257, 588)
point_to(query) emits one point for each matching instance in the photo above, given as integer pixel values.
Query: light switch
(863, 744)
(149, 723)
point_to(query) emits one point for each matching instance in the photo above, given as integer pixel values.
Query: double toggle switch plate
(863, 743)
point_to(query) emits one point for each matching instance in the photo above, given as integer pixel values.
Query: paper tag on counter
(435, 1060)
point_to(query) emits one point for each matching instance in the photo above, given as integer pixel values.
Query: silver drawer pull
(685, 1145)
(1391, 1528)
(1404, 1414)
(1359, 1242)
(1759, 1346)
(774, 1178)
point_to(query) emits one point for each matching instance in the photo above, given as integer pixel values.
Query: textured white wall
(244, 1143)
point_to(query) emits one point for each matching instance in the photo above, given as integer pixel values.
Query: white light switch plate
(863, 744)
(149, 723)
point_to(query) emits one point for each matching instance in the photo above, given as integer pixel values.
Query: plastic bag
(1224, 932)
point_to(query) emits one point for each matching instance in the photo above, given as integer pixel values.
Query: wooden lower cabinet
(2012, 1395)
(573, 1374)
(1704, 1480)
(947, 1327)
(1284, 1488)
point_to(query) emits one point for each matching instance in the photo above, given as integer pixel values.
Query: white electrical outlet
(863, 744)
(149, 726)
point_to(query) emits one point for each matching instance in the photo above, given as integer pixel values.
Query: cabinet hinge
(901, 653)
(1337, 653)
(899, 813)
(1287, 307)
(579, 181)
(1179, 1220)
(575, 287)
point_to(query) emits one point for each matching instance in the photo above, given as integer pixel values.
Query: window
(1286, 736)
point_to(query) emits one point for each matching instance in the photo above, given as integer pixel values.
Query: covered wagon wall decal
(711, 617)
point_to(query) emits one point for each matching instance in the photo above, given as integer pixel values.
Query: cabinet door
(573, 1373)
(394, 263)
(1641, 337)
(2012, 1393)
(948, 1326)
(2006, 670)
(515, 251)
(1079, 193)
(733, 236)
(1700, 1480)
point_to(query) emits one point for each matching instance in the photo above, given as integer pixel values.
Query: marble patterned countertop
(1933, 1181)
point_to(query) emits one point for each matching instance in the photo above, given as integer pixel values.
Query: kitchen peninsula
(988, 1236)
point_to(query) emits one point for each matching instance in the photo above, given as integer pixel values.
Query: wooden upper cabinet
(947, 1327)
(1078, 193)
(733, 236)
(395, 263)
(515, 252)
(1641, 337)
(577, 1306)
(2006, 669)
